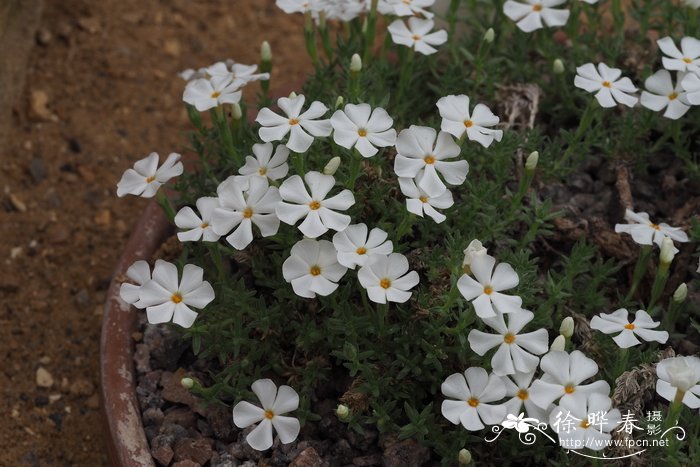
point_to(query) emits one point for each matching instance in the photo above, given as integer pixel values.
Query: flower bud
(342, 412)
(464, 457)
(567, 327)
(339, 102)
(558, 67)
(532, 160)
(489, 36)
(558, 344)
(292, 95)
(265, 52)
(187, 383)
(332, 166)
(668, 251)
(236, 111)
(475, 248)
(355, 64)
(680, 293)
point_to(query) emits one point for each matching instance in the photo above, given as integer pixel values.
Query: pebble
(91, 25)
(82, 299)
(196, 450)
(406, 453)
(38, 106)
(82, 387)
(308, 458)
(163, 454)
(37, 169)
(43, 37)
(103, 218)
(93, 402)
(43, 378)
(17, 203)
(186, 463)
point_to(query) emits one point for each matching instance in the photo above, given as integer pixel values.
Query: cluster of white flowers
(662, 93)
(348, 10)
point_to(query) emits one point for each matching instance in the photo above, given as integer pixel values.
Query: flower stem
(639, 270)
(584, 124)
(452, 22)
(659, 284)
(215, 254)
(310, 38)
(371, 31)
(405, 73)
(165, 204)
(355, 169)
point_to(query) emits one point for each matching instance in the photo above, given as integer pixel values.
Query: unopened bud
(355, 64)
(668, 251)
(292, 95)
(342, 411)
(475, 248)
(339, 102)
(532, 160)
(490, 35)
(566, 328)
(680, 293)
(464, 457)
(236, 111)
(559, 344)
(364, 26)
(265, 52)
(332, 166)
(187, 383)
(558, 66)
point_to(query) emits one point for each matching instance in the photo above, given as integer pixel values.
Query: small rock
(372, 459)
(223, 460)
(82, 299)
(172, 47)
(41, 401)
(57, 419)
(142, 358)
(91, 25)
(82, 387)
(57, 233)
(37, 169)
(45, 360)
(43, 378)
(103, 218)
(54, 398)
(308, 458)
(219, 420)
(43, 37)
(17, 203)
(406, 453)
(38, 106)
(182, 416)
(163, 454)
(152, 416)
(196, 450)
(86, 173)
(93, 402)
(165, 345)
(186, 463)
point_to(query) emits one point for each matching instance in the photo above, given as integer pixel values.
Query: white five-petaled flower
(691, 87)
(406, 7)
(275, 403)
(563, 375)
(532, 13)
(387, 279)
(355, 247)
(312, 268)
(417, 34)
(139, 273)
(239, 73)
(419, 202)
(196, 227)
(298, 6)
(485, 292)
(457, 120)
(166, 297)
(364, 129)
(318, 211)
(421, 150)
(585, 421)
(515, 349)
(344, 10)
(679, 379)
(242, 203)
(685, 59)
(264, 164)
(606, 82)
(473, 390)
(145, 178)
(301, 127)
(645, 232)
(618, 321)
(518, 388)
(207, 93)
(662, 94)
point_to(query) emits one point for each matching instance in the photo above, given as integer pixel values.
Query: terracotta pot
(126, 440)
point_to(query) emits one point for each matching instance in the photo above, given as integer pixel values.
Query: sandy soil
(101, 92)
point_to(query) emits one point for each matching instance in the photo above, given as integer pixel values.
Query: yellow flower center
(269, 414)
(537, 7)
(315, 270)
(362, 132)
(204, 225)
(248, 213)
(150, 179)
(215, 94)
(569, 389)
(655, 226)
(423, 199)
(607, 84)
(262, 171)
(429, 159)
(361, 251)
(473, 401)
(673, 96)
(468, 123)
(314, 205)
(488, 290)
(293, 121)
(416, 37)
(629, 326)
(509, 338)
(176, 298)
(585, 424)
(687, 60)
(385, 283)
(523, 395)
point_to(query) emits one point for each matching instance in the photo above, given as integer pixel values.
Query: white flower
(417, 34)
(515, 350)
(387, 279)
(275, 403)
(196, 227)
(475, 248)
(312, 268)
(691, 87)
(607, 84)
(585, 421)
(686, 59)
(318, 211)
(473, 391)
(679, 374)
(692, 3)
(518, 388)
(406, 7)
(364, 129)
(264, 164)
(355, 247)
(419, 202)
(618, 322)
(205, 94)
(456, 120)
(531, 14)
(563, 375)
(298, 6)
(239, 73)
(146, 177)
(302, 127)
(645, 232)
(243, 203)
(661, 93)
(166, 297)
(485, 292)
(139, 273)
(344, 10)
(418, 152)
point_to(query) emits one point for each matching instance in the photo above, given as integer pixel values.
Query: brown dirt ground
(108, 70)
